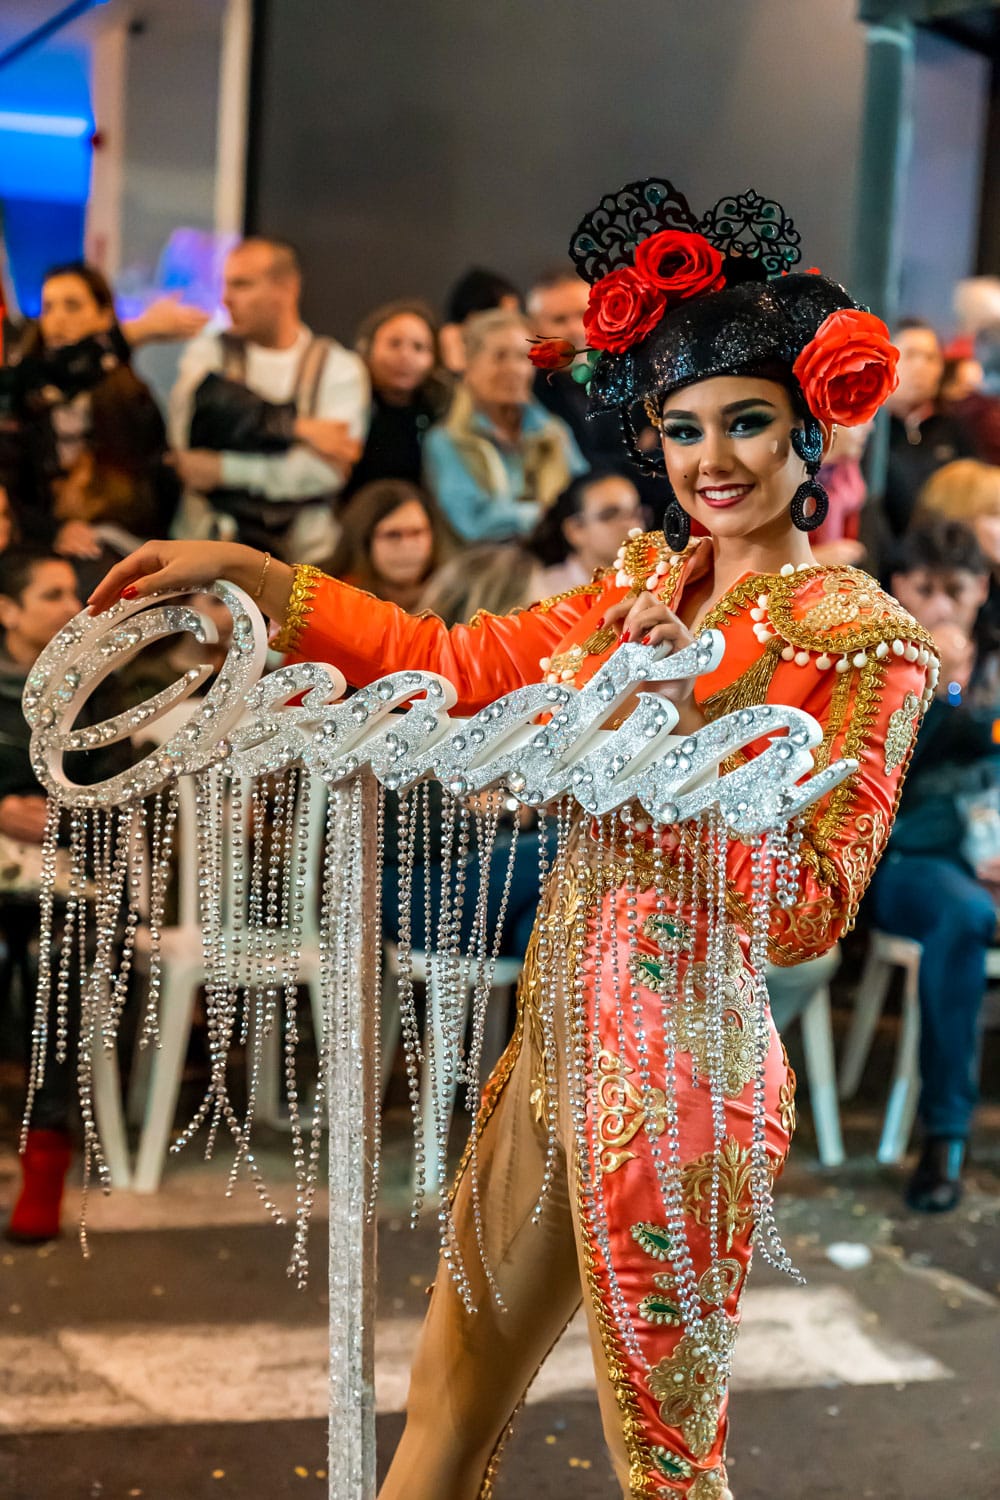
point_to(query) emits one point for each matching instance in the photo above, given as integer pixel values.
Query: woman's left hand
(646, 621)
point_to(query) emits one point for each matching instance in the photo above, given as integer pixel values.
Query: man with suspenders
(266, 419)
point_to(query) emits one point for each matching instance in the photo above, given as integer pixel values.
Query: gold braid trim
(305, 581)
(595, 587)
(830, 823)
(749, 689)
(642, 554)
(640, 1460)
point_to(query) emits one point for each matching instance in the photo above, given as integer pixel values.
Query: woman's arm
(870, 714)
(326, 620)
(158, 566)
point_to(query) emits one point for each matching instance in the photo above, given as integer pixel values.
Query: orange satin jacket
(826, 640)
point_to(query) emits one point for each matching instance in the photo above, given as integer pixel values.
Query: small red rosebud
(552, 354)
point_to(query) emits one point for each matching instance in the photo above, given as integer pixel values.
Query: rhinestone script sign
(290, 734)
(251, 725)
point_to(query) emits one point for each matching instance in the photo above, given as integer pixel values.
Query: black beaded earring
(807, 442)
(676, 524)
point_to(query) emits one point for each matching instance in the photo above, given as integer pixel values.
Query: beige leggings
(471, 1372)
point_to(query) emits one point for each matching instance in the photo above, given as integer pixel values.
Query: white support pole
(354, 1095)
(108, 90)
(234, 105)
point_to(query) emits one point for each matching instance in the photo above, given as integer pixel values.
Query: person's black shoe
(936, 1185)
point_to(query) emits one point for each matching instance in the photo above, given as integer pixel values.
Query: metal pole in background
(886, 140)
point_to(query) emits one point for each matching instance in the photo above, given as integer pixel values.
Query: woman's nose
(715, 453)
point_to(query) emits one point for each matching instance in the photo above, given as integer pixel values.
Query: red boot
(43, 1175)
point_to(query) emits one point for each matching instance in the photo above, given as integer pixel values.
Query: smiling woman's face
(728, 449)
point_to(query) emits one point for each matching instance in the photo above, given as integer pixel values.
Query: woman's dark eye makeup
(746, 422)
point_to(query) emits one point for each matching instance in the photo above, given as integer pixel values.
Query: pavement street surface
(179, 1362)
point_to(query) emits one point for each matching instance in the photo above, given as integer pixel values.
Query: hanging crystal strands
(484, 949)
(642, 827)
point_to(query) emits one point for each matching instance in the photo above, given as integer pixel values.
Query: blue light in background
(46, 131)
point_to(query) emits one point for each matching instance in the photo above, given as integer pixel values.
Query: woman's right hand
(178, 565)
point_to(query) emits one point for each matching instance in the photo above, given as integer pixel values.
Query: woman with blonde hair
(967, 491)
(496, 577)
(498, 458)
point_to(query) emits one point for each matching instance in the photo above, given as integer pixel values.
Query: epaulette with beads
(834, 618)
(645, 560)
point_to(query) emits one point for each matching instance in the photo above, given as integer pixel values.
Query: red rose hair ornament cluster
(676, 299)
(848, 369)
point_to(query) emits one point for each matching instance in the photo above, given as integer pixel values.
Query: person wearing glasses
(583, 529)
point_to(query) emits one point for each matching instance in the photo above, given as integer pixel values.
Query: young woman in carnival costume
(629, 1138)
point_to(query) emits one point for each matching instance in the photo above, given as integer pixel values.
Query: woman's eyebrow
(734, 406)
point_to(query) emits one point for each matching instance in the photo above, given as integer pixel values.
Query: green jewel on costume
(654, 1240)
(656, 1308)
(671, 1464)
(670, 935)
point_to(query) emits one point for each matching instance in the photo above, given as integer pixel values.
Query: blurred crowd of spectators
(432, 465)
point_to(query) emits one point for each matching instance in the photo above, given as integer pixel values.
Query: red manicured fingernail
(644, 641)
(600, 621)
(129, 592)
(626, 635)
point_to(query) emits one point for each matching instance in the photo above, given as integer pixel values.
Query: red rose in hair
(848, 368)
(552, 354)
(680, 263)
(623, 308)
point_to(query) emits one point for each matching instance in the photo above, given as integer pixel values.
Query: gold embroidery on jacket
(735, 1197)
(902, 731)
(594, 587)
(737, 1000)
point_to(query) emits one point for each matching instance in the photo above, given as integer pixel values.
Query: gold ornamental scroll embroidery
(708, 1486)
(786, 1096)
(690, 1384)
(737, 999)
(902, 731)
(621, 1112)
(735, 1197)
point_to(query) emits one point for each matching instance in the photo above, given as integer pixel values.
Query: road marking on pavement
(157, 1376)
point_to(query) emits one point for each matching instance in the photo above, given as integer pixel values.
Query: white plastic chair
(426, 968)
(109, 1115)
(182, 972)
(885, 953)
(803, 993)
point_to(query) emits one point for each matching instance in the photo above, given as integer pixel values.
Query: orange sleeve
(870, 711)
(367, 638)
(873, 718)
